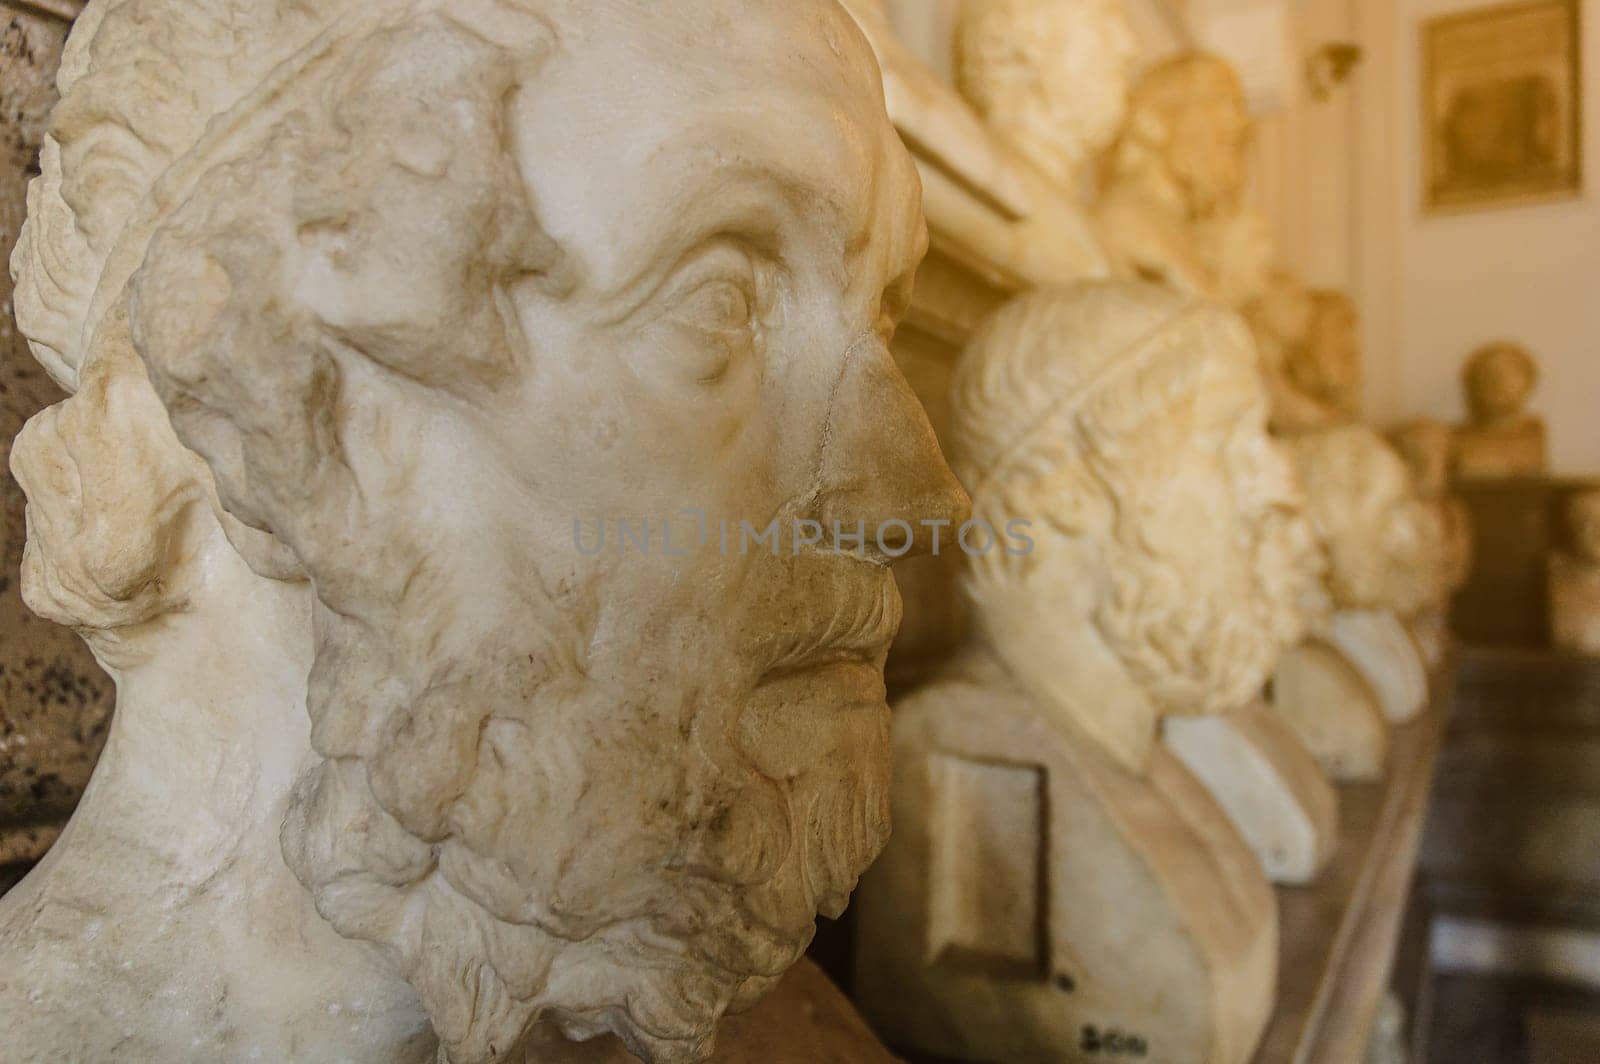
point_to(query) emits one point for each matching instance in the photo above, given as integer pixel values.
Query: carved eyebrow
(705, 220)
(756, 203)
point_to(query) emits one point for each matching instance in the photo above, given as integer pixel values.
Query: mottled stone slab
(54, 700)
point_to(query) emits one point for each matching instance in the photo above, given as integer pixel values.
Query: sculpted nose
(881, 464)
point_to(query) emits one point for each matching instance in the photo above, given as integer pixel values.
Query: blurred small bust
(1241, 253)
(1428, 447)
(1311, 354)
(1383, 539)
(1575, 579)
(1049, 76)
(1173, 182)
(1501, 439)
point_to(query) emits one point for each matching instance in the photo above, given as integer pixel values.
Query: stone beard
(1051, 76)
(1384, 540)
(551, 788)
(1140, 411)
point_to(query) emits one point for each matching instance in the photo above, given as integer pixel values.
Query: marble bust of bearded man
(362, 305)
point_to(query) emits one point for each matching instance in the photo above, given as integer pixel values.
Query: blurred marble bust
(1240, 253)
(365, 308)
(1383, 538)
(1127, 424)
(1311, 353)
(1040, 823)
(1501, 439)
(1428, 448)
(1575, 579)
(1385, 546)
(1049, 76)
(1172, 182)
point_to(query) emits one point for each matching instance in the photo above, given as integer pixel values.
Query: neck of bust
(167, 898)
(1500, 419)
(1065, 664)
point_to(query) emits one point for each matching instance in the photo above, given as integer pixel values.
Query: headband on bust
(142, 120)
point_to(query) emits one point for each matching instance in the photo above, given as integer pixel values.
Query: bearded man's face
(511, 351)
(718, 361)
(1212, 562)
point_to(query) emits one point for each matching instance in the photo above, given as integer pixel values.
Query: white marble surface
(399, 768)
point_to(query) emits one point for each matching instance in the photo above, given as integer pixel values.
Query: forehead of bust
(644, 112)
(1191, 81)
(1200, 374)
(1351, 474)
(1500, 370)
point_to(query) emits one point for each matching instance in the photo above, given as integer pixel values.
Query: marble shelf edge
(1340, 936)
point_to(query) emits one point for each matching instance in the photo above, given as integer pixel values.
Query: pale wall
(1530, 274)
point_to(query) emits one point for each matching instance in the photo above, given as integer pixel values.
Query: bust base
(1039, 904)
(1383, 652)
(1331, 709)
(1271, 788)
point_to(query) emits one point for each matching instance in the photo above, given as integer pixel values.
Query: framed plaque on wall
(1502, 100)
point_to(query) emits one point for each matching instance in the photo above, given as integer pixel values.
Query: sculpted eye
(714, 315)
(718, 306)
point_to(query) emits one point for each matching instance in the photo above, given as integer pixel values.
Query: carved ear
(107, 511)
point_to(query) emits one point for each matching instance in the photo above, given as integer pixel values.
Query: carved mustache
(817, 607)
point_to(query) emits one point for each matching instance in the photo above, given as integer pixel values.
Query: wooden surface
(1515, 832)
(1516, 522)
(1339, 937)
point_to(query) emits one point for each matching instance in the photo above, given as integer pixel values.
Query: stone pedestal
(1380, 648)
(1038, 904)
(1332, 711)
(1269, 785)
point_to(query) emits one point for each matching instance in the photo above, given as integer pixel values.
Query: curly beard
(532, 848)
(1205, 650)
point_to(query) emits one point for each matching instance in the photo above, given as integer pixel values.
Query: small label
(1114, 1043)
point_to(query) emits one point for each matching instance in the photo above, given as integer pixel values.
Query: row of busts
(1238, 594)
(400, 772)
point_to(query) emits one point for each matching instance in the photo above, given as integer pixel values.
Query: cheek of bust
(1185, 524)
(801, 723)
(554, 801)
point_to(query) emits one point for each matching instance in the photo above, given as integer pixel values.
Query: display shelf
(1340, 935)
